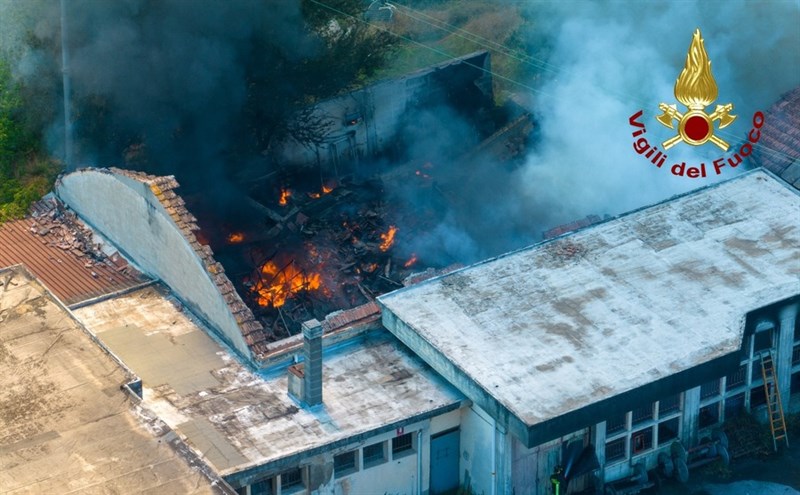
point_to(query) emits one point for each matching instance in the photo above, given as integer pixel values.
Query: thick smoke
(611, 59)
(171, 77)
(174, 76)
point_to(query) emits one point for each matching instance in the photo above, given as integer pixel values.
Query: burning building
(585, 384)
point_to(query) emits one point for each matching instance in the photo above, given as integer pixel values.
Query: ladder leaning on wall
(777, 423)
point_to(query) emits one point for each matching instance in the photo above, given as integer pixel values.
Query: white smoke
(611, 59)
(615, 58)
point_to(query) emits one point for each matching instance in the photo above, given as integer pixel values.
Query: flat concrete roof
(65, 424)
(547, 331)
(238, 420)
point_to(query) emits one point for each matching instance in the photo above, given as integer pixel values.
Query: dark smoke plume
(163, 84)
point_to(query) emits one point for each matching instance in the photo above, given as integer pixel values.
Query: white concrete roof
(555, 327)
(236, 419)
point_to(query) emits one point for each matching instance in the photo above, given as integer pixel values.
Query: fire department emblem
(696, 89)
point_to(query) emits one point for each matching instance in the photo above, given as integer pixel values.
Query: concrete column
(599, 441)
(508, 461)
(312, 366)
(784, 342)
(502, 459)
(690, 416)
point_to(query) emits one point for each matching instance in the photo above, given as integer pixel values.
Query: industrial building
(575, 359)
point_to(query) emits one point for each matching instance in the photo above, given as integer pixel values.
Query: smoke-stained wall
(127, 212)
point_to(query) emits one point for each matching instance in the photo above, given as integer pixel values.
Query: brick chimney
(312, 363)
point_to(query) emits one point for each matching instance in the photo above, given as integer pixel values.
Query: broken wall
(148, 222)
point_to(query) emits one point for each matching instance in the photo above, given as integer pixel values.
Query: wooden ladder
(777, 423)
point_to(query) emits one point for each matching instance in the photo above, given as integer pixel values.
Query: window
(668, 430)
(762, 341)
(737, 378)
(403, 444)
(796, 355)
(734, 406)
(709, 389)
(653, 424)
(669, 405)
(757, 396)
(709, 415)
(346, 463)
(241, 491)
(756, 374)
(642, 414)
(291, 480)
(616, 424)
(642, 440)
(615, 450)
(795, 383)
(374, 454)
(261, 487)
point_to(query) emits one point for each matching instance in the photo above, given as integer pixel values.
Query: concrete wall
(127, 212)
(485, 453)
(396, 475)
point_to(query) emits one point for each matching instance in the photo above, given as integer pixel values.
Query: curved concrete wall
(128, 212)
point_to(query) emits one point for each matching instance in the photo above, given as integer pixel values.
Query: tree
(25, 174)
(348, 51)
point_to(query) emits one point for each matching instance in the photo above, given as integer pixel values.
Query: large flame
(387, 238)
(276, 284)
(695, 87)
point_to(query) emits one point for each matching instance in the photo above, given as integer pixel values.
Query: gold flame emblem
(696, 89)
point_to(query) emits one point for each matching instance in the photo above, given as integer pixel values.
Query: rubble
(60, 227)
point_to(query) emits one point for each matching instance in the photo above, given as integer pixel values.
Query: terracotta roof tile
(71, 274)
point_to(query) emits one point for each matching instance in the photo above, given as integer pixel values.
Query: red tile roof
(69, 272)
(360, 314)
(778, 150)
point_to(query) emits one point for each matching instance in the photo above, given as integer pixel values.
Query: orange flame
(326, 188)
(283, 284)
(411, 261)
(387, 239)
(235, 238)
(285, 195)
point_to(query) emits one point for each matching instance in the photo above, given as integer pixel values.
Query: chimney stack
(312, 365)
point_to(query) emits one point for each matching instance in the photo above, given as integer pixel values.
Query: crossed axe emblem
(695, 127)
